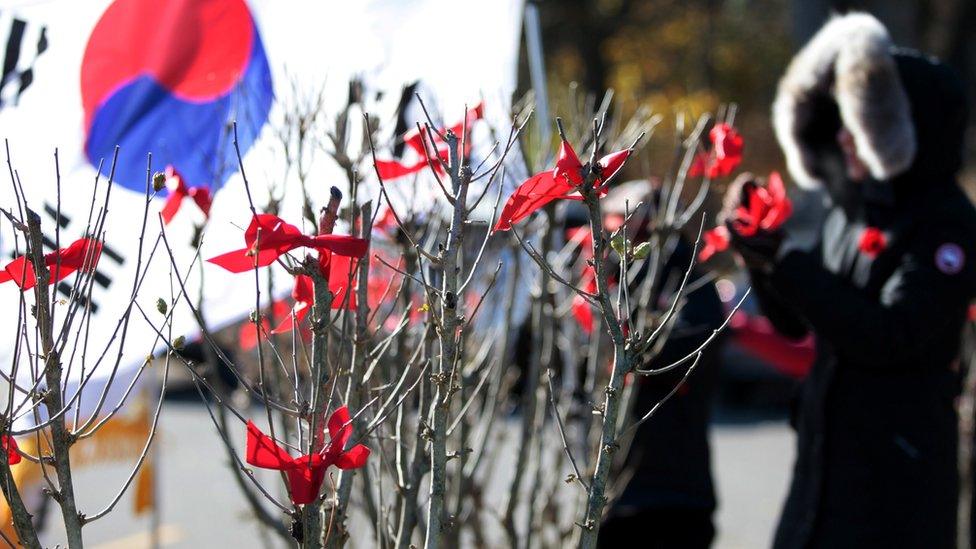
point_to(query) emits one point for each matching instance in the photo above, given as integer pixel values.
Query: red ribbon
(725, 157)
(178, 190)
(756, 335)
(304, 295)
(247, 335)
(278, 238)
(560, 183)
(9, 444)
(340, 273)
(582, 311)
(82, 255)
(872, 242)
(341, 270)
(386, 223)
(764, 208)
(393, 169)
(306, 473)
(716, 240)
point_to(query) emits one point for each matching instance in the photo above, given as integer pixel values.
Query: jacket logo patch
(950, 258)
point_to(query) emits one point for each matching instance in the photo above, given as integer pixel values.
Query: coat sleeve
(922, 305)
(786, 321)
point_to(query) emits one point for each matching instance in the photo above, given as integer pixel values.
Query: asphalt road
(201, 508)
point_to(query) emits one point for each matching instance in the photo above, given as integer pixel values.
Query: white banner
(168, 78)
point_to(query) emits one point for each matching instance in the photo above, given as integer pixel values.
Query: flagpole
(537, 71)
(156, 513)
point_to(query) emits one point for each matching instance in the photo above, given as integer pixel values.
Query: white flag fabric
(168, 78)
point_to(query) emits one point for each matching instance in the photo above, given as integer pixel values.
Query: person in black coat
(883, 281)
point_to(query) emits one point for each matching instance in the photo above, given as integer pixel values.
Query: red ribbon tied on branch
(725, 157)
(81, 255)
(268, 237)
(248, 333)
(873, 242)
(178, 190)
(10, 446)
(559, 183)
(386, 223)
(715, 241)
(306, 473)
(582, 310)
(341, 270)
(304, 295)
(393, 169)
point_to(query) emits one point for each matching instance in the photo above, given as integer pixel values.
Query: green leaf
(161, 306)
(619, 244)
(642, 250)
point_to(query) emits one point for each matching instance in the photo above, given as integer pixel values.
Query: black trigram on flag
(22, 43)
(102, 275)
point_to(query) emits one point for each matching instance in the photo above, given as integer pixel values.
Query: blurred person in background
(884, 284)
(668, 497)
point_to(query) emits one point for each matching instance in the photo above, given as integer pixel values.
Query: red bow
(304, 295)
(82, 255)
(247, 334)
(716, 240)
(306, 473)
(872, 242)
(763, 208)
(392, 169)
(10, 445)
(341, 270)
(582, 311)
(542, 188)
(386, 223)
(341, 275)
(581, 308)
(278, 238)
(726, 153)
(178, 190)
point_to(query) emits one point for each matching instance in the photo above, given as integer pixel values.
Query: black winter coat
(875, 419)
(876, 424)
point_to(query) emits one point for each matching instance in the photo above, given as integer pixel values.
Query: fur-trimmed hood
(906, 112)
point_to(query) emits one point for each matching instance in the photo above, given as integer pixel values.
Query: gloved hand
(758, 251)
(735, 196)
(747, 220)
